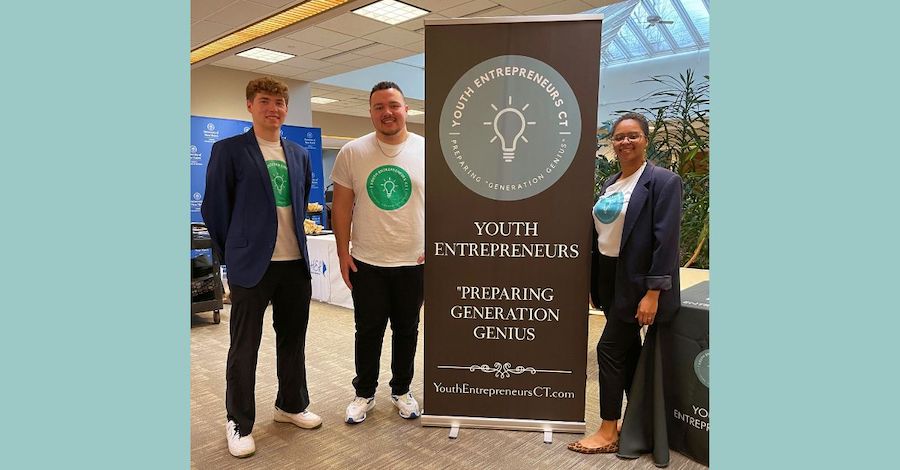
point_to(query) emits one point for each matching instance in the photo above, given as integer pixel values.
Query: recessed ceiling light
(390, 11)
(271, 24)
(415, 112)
(321, 100)
(265, 55)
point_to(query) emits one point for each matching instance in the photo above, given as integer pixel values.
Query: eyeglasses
(622, 137)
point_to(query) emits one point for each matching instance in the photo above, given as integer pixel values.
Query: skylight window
(636, 30)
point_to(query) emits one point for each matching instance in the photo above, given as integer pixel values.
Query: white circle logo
(510, 127)
(701, 367)
(210, 127)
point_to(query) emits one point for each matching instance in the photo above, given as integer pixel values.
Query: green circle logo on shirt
(510, 127)
(389, 187)
(281, 185)
(701, 367)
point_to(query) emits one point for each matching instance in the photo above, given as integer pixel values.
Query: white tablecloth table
(327, 283)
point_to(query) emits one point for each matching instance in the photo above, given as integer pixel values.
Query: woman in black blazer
(634, 268)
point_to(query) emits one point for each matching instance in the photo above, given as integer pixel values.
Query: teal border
(804, 240)
(95, 274)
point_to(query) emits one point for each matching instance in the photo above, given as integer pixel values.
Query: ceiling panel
(418, 46)
(374, 48)
(468, 8)
(353, 44)
(320, 37)
(343, 57)
(241, 13)
(335, 69)
(202, 8)
(436, 6)
(419, 23)
(241, 63)
(310, 76)
(362, 62)
(393, 53)
(499, 11)
(275, 3)
(203, 32)
(395, 36)
(305, 63)
(291, 46)
(359, 25)
(280, 70)
(522, 5)
(562, 8)
(321, 53)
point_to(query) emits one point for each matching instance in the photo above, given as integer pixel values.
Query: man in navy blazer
(257, 188)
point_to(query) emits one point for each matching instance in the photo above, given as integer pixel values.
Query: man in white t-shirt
(379, 209)
(257, 188)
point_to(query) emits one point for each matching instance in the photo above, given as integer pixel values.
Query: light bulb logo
(389, 187)
(509, 126)
(279, 181)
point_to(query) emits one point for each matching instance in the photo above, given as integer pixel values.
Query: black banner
(512, 106)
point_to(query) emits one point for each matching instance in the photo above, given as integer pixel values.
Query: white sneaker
(408, 406)
(305, 419)
(357, 409)
(239, 446)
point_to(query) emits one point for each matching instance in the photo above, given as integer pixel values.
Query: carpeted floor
(384, 440)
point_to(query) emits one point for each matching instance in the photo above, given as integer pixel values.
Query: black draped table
(668, 407)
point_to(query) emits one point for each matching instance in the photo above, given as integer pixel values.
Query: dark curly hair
(645, 126)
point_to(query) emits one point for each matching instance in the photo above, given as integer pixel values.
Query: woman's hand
(646, 312)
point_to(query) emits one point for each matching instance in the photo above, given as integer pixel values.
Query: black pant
(381, 294)
(288, 287)
(618, 349)
(617, 356)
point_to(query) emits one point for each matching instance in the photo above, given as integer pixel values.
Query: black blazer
(239, 205)
(649, 256)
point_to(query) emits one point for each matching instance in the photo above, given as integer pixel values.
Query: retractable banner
(512, 121)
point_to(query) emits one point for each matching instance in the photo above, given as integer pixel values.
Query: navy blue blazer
(649, 256)
(239, 205)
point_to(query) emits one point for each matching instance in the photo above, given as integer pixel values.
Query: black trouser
(617, 356)
(381, 294)
(287, 286)
(618, 349)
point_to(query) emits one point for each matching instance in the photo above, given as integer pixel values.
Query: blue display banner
(310, 138)
(206, 131)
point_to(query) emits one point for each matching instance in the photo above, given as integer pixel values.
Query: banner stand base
(534, 425)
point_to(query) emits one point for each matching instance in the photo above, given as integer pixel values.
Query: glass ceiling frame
(627, 14)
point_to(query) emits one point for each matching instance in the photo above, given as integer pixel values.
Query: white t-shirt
(388, 183)
(286, 246)
(609, 213)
